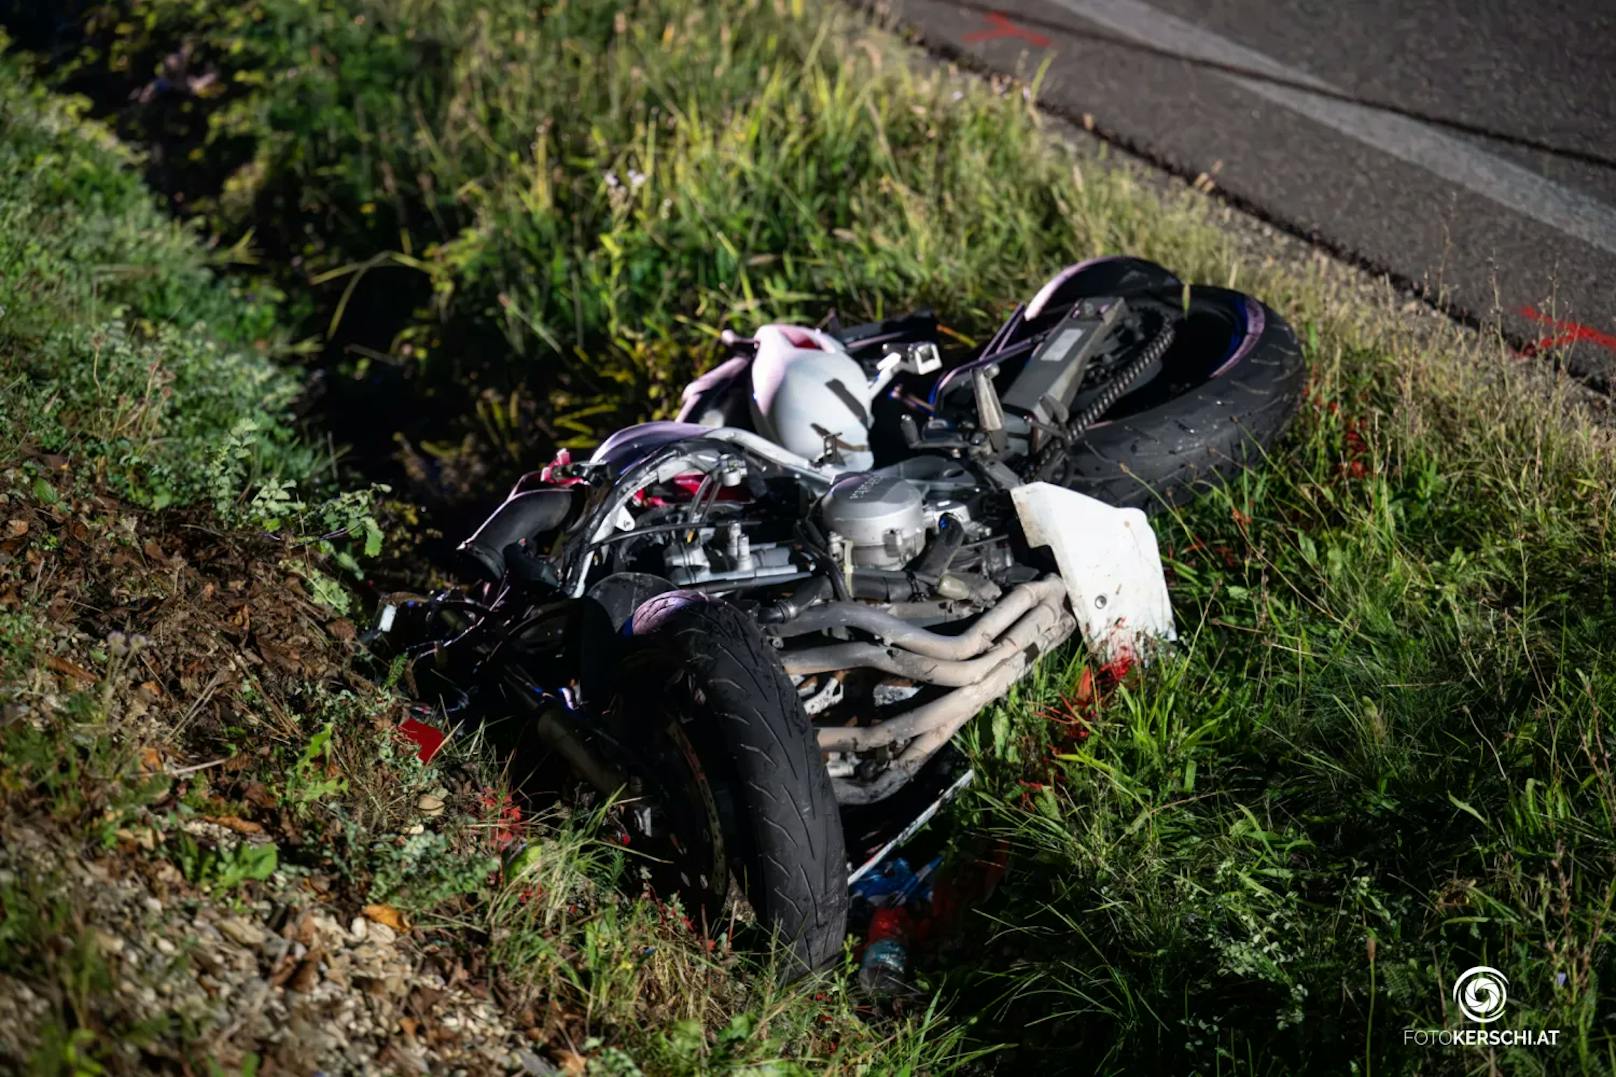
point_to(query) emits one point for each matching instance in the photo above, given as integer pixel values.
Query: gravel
(283, 977)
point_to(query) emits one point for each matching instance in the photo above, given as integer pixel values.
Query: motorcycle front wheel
(728, 780)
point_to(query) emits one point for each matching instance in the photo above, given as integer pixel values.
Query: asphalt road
(1466, 148)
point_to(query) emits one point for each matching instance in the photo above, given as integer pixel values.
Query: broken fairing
(1110, 564)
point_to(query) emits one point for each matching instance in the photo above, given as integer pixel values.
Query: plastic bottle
(886, 952)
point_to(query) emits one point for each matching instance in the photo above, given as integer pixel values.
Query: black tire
(696, 674)
(1228, 387)
(1113, 274)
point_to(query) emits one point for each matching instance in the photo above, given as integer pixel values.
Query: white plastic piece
(810, 396)
(1110, 563)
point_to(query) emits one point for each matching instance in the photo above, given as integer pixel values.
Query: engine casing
(882, 517)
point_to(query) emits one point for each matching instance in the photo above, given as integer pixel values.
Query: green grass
(1380, 757)
(541, 219)
(117, 343)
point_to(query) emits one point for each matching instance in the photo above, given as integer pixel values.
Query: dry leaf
(58, 664)
(307, 975)
(282, 971)
(300, 930)
(386, 914)
(231, 822)
(143, 837)
(258, 794)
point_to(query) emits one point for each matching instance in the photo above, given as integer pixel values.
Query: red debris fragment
(428, 739)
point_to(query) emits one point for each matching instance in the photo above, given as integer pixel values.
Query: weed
(531, 229)
(1392, 670)
(116, 342)
(224, 868)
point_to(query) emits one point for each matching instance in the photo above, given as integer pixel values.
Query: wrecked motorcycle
(756, 629)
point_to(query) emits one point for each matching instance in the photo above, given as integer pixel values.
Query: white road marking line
(1454, 159)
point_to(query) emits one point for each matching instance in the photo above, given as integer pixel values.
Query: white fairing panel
(1110, 563)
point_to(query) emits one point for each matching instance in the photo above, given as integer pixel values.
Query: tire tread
(791, 840)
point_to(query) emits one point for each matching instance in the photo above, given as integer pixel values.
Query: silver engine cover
(882, 517)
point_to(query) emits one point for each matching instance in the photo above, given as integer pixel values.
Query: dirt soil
(183, 663)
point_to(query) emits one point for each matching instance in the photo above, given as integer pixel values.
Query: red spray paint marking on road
(1000, 26)
(1564, 333)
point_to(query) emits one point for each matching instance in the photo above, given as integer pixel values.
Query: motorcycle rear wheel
(1226, 390)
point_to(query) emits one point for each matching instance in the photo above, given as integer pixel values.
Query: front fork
(559, 731)
(560, 728)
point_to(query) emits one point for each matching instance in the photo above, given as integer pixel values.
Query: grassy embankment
(1381, 758)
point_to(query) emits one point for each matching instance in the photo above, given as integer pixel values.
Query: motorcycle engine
(881, 517)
